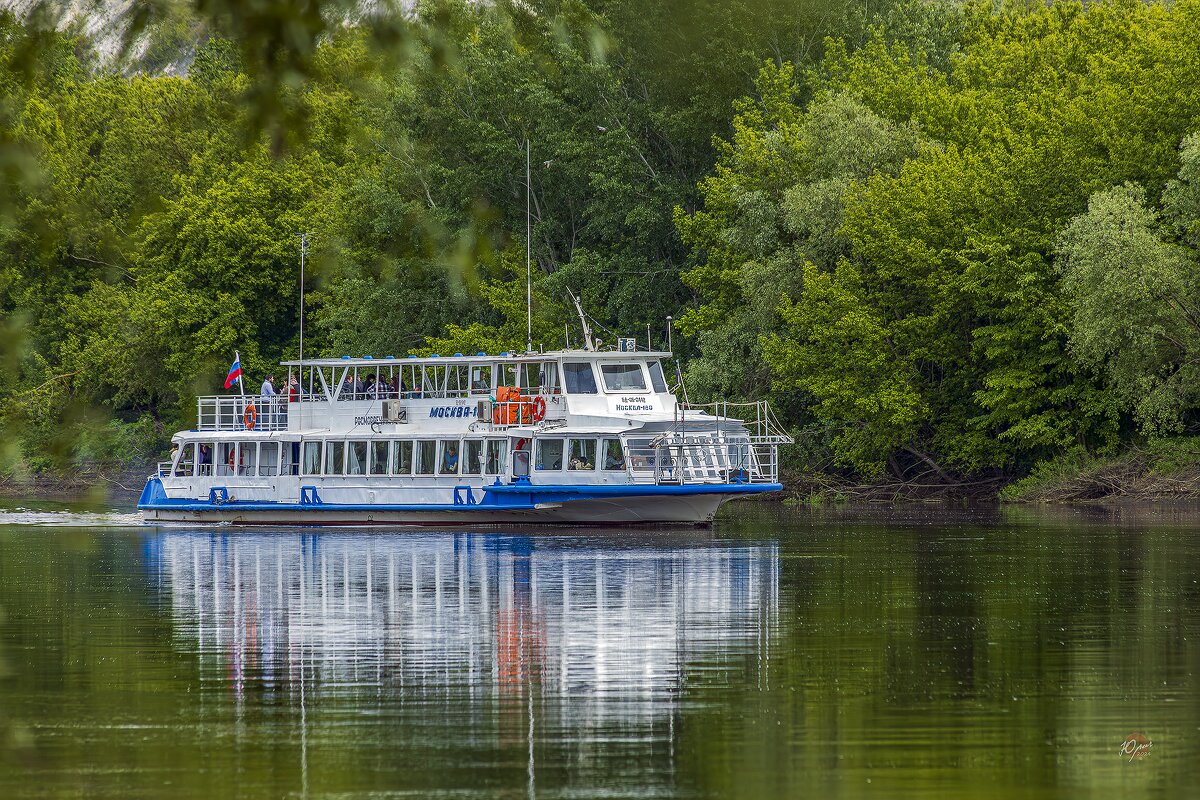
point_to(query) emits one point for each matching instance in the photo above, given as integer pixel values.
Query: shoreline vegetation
(955, 244)
(1165, 471)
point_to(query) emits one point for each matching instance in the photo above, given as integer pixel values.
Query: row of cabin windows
(462, 380)
(392, 457)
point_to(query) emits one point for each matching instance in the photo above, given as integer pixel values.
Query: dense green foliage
(909, 255)
(945, 239)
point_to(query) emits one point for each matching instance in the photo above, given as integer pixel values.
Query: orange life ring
(539, 408)
(250, 417)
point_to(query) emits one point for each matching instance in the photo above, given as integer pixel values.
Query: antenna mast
(303, 252)
(588, 343)
(528, 261)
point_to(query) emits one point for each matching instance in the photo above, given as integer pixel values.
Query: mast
(303, 251)
(237, 357)
(528, 261)
(588, 342)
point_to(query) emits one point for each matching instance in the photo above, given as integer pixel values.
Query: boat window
(579, 378)
(402, 460)
(247, 458)
(623, 377)
(531, 377)
(641, 454)
(549, 453)
(481, 379)
(426, 457)
(508, 374)
(495, 456)
(356, 458)
(312, 458)
(657, 381)
(456, 382)
(549, 378)
(204, 460)
(450, 457)
(335, 454)
(187, 457)
(226, 457)
(472, 454)
(289, 458)
(614, 454)
(379, 457)
(583, 454)
(268, 458)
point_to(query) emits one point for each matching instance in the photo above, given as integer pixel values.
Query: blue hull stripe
(511, 497)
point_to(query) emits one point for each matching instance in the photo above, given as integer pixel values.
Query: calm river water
(785, 653)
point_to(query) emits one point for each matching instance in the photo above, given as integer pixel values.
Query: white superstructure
(568, 436)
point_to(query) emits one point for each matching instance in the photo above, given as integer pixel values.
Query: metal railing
(757, 417)
(237, 413)
(544, 411)
(705, 458)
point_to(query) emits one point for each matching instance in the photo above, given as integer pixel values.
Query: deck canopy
(386, 361)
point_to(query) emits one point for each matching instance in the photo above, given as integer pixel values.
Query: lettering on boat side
(374, 420)
(453, 411)
(635, 404)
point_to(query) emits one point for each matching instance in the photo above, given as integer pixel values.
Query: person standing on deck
(268, 400)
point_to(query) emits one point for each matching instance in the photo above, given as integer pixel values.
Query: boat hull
(502, 505)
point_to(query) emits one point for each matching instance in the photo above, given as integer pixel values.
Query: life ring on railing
(250, 417)
(539, 408)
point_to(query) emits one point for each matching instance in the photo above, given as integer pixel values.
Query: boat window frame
(372, 451)
(419, 448)
(212, 449)
(503, 457)
(441, 456)
(319, 447)
(264, 470)
(465, 461)
(181, 461)
(331, 448)
(662, 377)
(589, 365)
(395, 450)
(620, 448)
(541, 442)
(549, 378)
(223, 465)
(488, 384)
(641, 371)
(350, 444)
(570, 456)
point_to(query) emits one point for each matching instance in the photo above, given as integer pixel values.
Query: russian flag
(235, 372)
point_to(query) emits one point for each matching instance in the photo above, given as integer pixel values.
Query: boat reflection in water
(487, 640)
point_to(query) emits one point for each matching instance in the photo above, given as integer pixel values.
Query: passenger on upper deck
(370, 388)
(268, 399)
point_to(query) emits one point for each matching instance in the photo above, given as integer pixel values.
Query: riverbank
(95, 487)
(1164, 470)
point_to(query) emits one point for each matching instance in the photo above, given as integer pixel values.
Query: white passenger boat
(573, 436)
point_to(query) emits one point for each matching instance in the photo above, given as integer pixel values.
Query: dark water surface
(919, 653)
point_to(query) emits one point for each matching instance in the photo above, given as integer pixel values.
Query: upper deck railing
(238, 413)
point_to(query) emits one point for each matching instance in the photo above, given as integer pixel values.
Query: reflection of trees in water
(611, 625)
